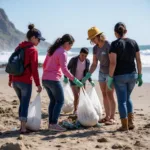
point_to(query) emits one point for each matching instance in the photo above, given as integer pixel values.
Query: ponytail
(59, 42)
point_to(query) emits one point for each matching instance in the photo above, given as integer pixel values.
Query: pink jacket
(56, 64)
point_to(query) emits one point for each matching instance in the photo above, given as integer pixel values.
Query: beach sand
(105, 138)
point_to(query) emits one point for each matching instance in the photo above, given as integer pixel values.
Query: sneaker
(57, 128)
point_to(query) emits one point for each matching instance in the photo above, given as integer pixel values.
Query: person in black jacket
(78, 66)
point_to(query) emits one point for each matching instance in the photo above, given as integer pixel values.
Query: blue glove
(65, 80)
(139, 80)
(109, 83)
(87, 76)
(77, 82)
(92, 83)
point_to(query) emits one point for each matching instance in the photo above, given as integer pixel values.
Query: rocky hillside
(9, 35)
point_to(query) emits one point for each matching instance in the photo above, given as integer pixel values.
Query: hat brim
(89, 38)
(41, 38)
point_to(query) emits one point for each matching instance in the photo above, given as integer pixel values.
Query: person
(122, 73)
(78, 66)
(101, 53)
(56, 60)
(23, 84)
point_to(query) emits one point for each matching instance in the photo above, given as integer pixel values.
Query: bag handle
(82, 88)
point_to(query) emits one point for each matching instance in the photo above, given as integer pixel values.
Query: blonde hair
(102, 37)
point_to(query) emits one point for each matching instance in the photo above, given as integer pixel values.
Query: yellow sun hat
(92, 32)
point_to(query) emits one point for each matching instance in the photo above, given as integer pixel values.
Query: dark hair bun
(30, 26)
(121, 28)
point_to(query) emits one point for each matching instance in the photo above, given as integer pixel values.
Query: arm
(112, 66)
(34, 67)
(10, 80)
(139, 67)
(45, 62)
(63, 65)
(88, 66)
(138, 62)
(94, 64)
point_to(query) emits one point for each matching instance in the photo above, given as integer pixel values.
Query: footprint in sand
(139, 144)
(140, 114)
(12, 146)
(98, 146)
(15, 102)
(58, 146)
(117, 146)
(147, 126)
(101, 140)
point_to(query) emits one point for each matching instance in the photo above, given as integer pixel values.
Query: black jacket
(72, 66)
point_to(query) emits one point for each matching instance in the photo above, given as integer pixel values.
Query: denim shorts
(102, 77)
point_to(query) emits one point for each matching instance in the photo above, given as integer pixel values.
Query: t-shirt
(80, 69)
(102, 54)
(125, 49)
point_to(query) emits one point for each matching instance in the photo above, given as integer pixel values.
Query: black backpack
(15, 64)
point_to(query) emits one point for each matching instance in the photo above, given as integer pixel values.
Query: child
(78, 66)
(55, 61)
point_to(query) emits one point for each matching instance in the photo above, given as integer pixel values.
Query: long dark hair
(59, 42)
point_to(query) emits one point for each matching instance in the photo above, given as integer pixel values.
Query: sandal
(103, 120)
(110, 122)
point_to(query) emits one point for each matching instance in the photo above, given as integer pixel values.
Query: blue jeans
(124, 85)
(23, 92)
(56, 95)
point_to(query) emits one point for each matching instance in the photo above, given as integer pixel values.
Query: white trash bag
(96, 102)
(86, 113)
(68, 105)
(34, 114)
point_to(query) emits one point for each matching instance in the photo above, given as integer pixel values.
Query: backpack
(15, 64)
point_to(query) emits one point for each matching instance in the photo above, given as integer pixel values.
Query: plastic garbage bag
(96, 102)
(68, 105)
(34, 114)
(86, 113)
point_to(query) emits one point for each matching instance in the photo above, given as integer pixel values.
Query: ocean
(144, 50)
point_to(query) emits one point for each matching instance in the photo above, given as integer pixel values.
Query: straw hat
(92, 32)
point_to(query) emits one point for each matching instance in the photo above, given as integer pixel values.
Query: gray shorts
(102, 77)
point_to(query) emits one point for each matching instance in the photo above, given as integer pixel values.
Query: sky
(57, 17)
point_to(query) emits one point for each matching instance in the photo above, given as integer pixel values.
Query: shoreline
(5, 64)
(145, 70)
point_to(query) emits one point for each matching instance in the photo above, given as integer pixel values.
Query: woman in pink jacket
(55, 62)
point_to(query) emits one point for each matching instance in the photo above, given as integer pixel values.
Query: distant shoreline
(4, 65)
